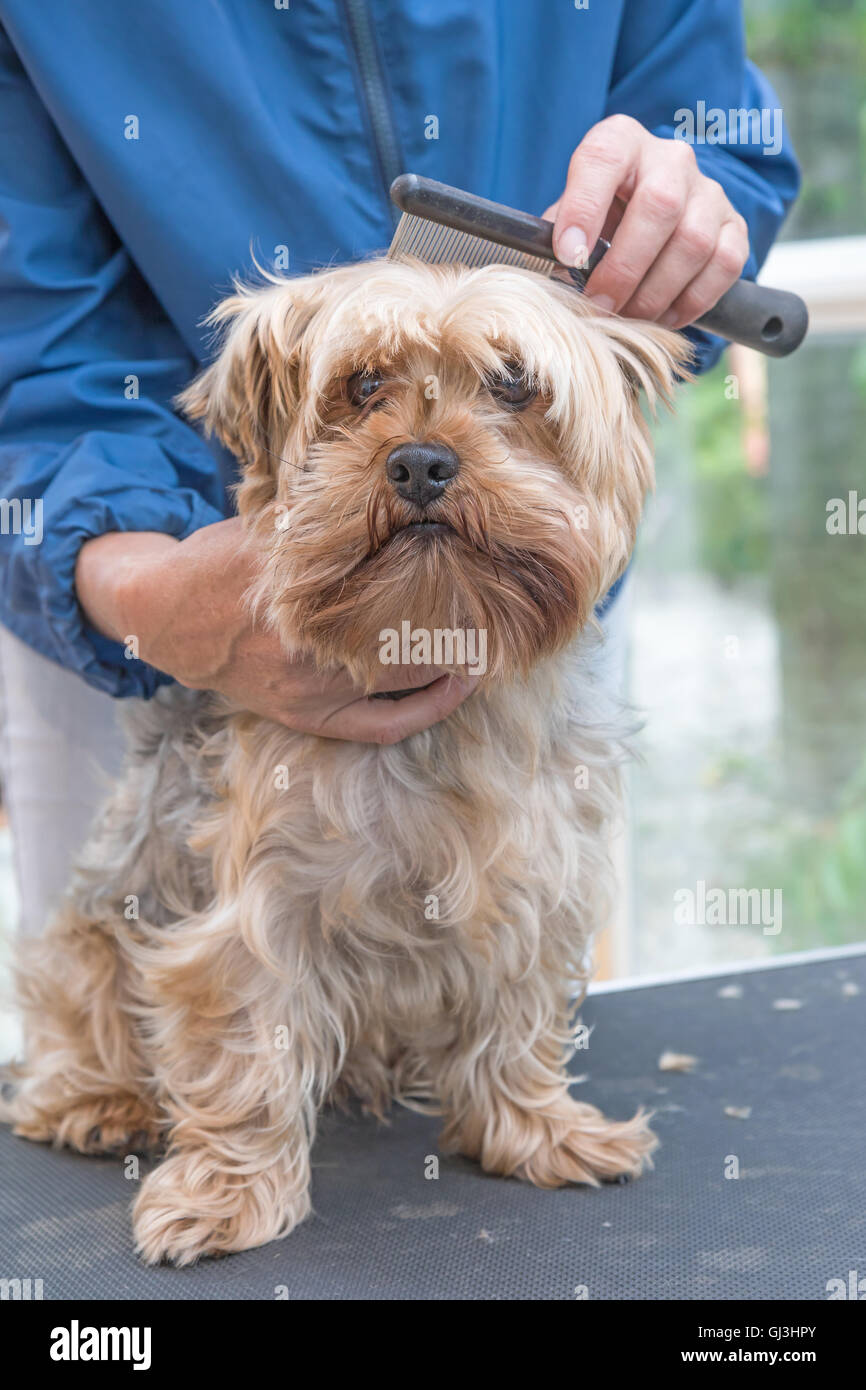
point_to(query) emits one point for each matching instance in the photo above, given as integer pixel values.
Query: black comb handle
(771, 321)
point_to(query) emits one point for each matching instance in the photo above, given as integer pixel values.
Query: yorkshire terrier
(264, 921)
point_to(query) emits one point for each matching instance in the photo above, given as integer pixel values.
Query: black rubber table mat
(794, 1219)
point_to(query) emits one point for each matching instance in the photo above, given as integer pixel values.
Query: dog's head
(459, 450)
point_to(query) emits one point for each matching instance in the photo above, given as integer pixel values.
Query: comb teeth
(436, 244)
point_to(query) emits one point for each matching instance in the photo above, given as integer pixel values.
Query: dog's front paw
(190, 1206)
(580, 1145)
(563, 1142)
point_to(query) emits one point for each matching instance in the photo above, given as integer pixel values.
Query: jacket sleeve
(677, 56)
(89, 364)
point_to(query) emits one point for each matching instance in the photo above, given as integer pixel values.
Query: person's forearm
(184, 602)
(103, 571)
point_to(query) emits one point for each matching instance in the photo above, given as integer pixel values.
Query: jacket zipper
(369, 65)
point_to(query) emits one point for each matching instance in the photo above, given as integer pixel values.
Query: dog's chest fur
(409, 879)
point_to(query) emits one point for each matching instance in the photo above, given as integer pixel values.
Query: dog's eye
(361, 387)
(511, 388)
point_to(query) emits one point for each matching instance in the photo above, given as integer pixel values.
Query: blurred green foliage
(810, 838)
(815, 53)
(806, 34)
(820, 865)
(792, 814)
(733, 506)
(803, 34)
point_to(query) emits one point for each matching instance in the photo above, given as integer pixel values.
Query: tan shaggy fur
(283, 954)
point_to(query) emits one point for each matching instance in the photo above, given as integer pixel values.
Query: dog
(264, 921)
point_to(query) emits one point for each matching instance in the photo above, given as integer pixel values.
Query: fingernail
(571, 248)
(601, 301)
(669, 318)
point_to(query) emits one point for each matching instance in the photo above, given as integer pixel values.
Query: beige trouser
(61, 744)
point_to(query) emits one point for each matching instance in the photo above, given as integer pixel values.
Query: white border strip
(735, 968)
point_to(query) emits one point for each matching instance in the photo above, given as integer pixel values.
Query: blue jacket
(147, 150)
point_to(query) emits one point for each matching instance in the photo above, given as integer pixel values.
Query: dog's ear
(651, 358)
(647, 360)
(250, 394)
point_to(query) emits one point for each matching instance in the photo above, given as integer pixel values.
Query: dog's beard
(498, 554)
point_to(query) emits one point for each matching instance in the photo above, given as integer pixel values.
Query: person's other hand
(183, 601)
(676, 242)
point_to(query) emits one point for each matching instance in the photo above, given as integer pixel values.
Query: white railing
(830, 274)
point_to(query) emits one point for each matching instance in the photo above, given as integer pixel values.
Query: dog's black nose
(420, 473)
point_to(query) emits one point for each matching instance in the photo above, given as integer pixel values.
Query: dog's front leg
(204, 1199)
(237, 1173)
(505, 1092)
(239, 1090)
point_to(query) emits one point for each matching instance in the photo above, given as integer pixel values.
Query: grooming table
(793, 1219)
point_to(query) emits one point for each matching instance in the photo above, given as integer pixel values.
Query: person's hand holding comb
(677, 244)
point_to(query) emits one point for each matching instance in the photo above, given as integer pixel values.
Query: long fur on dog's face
(539, 520)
